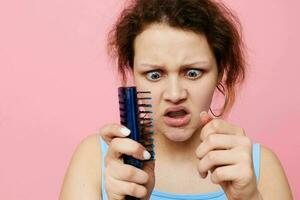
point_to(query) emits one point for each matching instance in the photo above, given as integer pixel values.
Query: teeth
(176, 114)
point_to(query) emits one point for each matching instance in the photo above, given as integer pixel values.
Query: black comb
(135, 114)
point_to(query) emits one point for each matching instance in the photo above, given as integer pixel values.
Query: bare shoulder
(273, 182)
(82, 179)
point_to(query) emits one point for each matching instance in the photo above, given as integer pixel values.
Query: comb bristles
(146, 119)
(143, 92)
(144, 98)
(136, 114)
(145, 105)
(149, 132)
(146, 111)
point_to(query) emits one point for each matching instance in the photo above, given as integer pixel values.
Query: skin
(207, 154)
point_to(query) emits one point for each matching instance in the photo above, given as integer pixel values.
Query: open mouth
(177, 116)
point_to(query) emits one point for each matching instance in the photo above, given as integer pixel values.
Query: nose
(174, 91)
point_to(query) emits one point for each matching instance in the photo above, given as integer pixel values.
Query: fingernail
(203, 175)
(202, 113)
(147, 155)
(125, 131)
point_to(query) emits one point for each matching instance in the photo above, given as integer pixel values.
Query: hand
(226, 152)
(123, 179)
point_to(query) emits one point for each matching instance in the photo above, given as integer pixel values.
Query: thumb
(205, 118)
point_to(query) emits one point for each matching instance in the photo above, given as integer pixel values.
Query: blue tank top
(159, 195)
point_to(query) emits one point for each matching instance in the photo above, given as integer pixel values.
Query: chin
(178, 134)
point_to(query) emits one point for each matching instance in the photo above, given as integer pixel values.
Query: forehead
(160, 41)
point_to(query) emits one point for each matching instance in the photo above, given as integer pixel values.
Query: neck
(179, 152)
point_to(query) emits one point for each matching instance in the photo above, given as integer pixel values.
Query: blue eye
(153, 76)
(193, 73)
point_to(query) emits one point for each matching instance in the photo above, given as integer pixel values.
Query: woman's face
(179, 69)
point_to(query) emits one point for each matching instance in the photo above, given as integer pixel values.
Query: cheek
(141, 84)
(201, 97)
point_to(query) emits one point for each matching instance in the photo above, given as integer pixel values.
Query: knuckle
(128, 189)
(247, 173)
(201, 167)
(133, 189)
(102, 130)
(143, 176)
(247, 142)
(143, 192)
(105, 129)
(114, 142)
(146, 178)
(246, 157)
(211, 139)
(211, 156)
(138, 150)
(216, 123)
(137, 147)
(218, 173)
(109, 128)
(130, 173)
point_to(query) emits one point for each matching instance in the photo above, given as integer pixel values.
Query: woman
(183, 51)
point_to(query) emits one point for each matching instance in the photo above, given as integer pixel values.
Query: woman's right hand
(123, 179)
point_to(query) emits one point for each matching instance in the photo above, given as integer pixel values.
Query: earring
(223, 91)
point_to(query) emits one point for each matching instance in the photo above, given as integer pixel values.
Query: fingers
(237, 173)
(137, 183)
(221, 150)
(110, 131)
(123, 179)
(216, 126)
(214, 159)
(118, 189)
(127, 173)
(225, 151)
(205, 118)
(222, 141)
(120, 146)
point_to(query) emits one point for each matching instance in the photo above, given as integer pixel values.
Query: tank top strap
(104, 148)
(256, 160)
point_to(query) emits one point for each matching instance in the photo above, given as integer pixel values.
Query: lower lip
(177, 122)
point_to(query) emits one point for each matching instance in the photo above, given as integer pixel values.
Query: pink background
(57, 86)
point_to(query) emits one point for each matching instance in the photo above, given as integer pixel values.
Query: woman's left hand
(226, 152)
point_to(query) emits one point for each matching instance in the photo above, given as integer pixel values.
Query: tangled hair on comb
(209, 17)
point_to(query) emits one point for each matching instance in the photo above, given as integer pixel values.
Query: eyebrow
(201, 63)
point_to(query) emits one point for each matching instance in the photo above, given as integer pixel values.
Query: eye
(153, 75)
(193, 73)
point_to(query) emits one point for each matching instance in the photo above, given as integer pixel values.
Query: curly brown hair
(209, 17)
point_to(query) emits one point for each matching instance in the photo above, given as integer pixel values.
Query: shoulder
(88, 153)
(89, 145)
(83, 176)
(273, 182)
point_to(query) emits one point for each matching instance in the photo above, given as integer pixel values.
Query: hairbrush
(135, 114)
